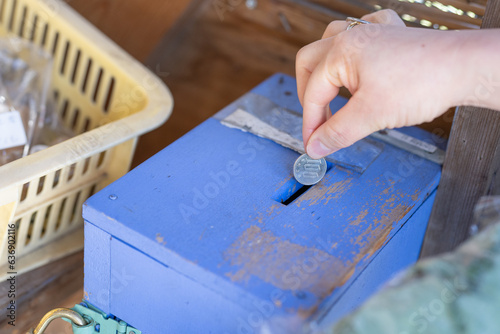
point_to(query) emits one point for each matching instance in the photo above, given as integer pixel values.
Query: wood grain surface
(59, 284)
(470, 169)
(135, 25)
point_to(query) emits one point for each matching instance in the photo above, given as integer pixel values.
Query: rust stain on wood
(160, 239)
(282, 183)
(377, 234)
(294, 267)
(359, 218)
(286, 265)
(324, 194)
(272, 210)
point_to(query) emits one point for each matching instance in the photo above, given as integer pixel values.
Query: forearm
(478, 52)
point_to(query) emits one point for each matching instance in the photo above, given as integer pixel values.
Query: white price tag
(12, 132)
(411, 141)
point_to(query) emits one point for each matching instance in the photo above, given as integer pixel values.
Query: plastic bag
(52, 131)
(26, 124)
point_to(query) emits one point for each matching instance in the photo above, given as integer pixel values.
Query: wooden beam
(494, 181)
(419, 10)
(432, 14)
(465, 6)
(470, 168)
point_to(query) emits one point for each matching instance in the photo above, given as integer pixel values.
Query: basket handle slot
(75, 65)
(22, 23)
(33, 28)
(97, 85)
(64, 58)
(55, 43)
(109, 95)
(12, 15)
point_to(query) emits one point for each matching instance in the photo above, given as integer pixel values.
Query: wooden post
(470, 168)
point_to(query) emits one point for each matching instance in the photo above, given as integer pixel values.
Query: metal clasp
(86, 319)
(58, 313)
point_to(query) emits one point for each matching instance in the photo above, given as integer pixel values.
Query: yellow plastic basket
(106, 97)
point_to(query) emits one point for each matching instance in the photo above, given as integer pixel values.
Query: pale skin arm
(397, 76)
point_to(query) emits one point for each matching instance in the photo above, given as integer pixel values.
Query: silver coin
(309, 171)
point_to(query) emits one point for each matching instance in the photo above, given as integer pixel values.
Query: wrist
(477, 68)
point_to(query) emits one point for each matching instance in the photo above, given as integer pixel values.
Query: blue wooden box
(196, 239)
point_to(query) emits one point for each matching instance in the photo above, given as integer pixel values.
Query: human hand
(397, 76)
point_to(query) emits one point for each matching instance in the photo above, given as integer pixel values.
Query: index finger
(322, 87)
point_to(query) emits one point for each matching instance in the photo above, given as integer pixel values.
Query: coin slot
(296, 195)
(292, 189)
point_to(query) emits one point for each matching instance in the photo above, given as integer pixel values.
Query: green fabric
(456, 293)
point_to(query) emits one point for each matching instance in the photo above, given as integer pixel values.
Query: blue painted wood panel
(205, 207)
(170, 297)
(97, 263)
(387, 264)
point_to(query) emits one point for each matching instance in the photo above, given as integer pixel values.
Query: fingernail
(316, 149)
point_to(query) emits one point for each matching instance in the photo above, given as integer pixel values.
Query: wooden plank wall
(221, 49)
(136, 25)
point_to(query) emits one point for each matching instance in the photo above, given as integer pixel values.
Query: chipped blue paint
(197, 229)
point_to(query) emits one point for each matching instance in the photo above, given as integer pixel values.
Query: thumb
(347, 126)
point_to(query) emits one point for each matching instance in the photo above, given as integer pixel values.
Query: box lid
(209, 206)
